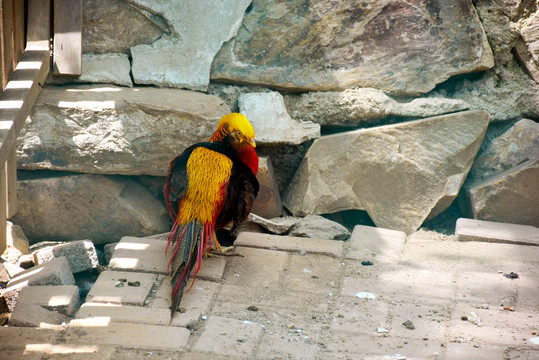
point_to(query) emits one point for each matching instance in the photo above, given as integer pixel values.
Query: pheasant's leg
(219, 250)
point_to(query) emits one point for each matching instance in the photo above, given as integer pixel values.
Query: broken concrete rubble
(80, 254)
(54, 272)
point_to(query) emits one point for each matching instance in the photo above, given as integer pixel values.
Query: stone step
(101, 330)
(63, 298)
(375, 244)
(332, 248)
(121, 287)
(31, 315)
(148, 255)
(490, 231)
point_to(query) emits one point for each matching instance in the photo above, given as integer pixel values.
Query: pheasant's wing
(242, 190)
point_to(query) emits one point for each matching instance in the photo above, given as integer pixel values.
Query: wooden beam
(3, 78)
(67, 49)
(7, 39)
(19, 37)
(11, 181)
(20, 94)
(3, 217)
(39, 28)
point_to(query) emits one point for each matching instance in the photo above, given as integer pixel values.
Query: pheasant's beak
(252, 142)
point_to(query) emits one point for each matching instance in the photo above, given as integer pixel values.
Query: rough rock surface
(115, 130)
(527, 48)
(498, 18)
(16, 243)
(318, 227)
(272, 124)
(329, 45)
(530, 34)
(87, 207)
(503, 182)
(353, 106)
(400, 174)
(268, 202)
(101, 69)
(197, 31)
(80, 254)
(506, 93)
(517, 145)
(511, 196)
(278, 225)
(114, 26)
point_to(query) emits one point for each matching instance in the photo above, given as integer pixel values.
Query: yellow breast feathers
(209, 172)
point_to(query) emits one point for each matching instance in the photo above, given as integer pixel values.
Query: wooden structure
(25, 62)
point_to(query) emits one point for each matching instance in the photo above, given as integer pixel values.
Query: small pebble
(367, 263)
(382, 330)
(474, 319)
(511, 275)
(409, 325)
(252, 308)
(291, 326)
(204, 317)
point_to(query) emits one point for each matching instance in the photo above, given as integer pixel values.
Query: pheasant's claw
(225, 251)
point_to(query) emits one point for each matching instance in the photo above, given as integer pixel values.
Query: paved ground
(374, 297)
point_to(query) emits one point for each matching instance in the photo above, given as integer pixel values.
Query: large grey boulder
(400, 174)
(353, 106)
(503, 182)
(197, 29)
(518, 144)
(101, 69)
(511, 196)
(115, 130)
(333, 45)
(114, 26)
(267, 113)
(96, 207)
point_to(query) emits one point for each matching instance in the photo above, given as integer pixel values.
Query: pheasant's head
(238, 129)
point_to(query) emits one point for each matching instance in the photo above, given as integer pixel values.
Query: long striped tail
(188, 243)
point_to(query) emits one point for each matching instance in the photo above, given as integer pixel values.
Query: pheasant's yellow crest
(238, 123)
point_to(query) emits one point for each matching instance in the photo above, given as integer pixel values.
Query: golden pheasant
(208, 186)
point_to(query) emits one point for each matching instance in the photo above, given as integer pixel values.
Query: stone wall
(379, 106)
